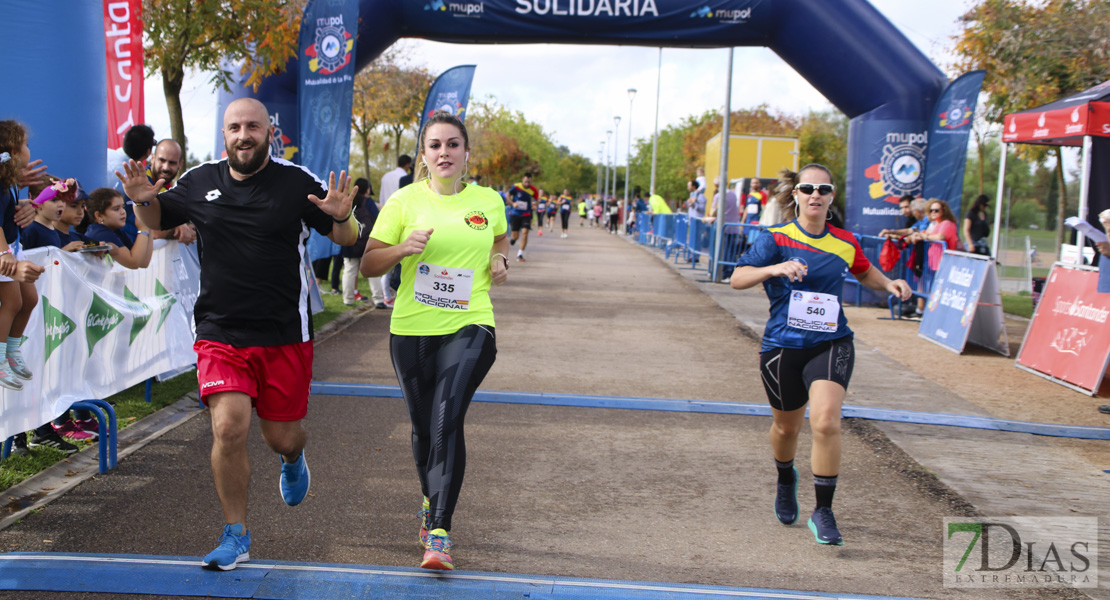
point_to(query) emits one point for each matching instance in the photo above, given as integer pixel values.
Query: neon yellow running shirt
(446, 287)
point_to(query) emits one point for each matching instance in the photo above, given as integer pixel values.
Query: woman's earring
(828, 216)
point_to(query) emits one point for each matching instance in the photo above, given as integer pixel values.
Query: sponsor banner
(710, 21)
(965, 305)
(887, 160)
(1062, 121)
(123, 46)
(946, 155)
(99, 329)
(1021, 552)
(1069, 337)
(1046, 125)
(325, 89)
(450, 92)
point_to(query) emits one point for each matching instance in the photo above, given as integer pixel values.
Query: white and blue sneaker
(17, 365)
(234, 548)
(295, 480)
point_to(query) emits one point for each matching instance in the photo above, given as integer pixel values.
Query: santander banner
(123, 45)
(1069, 337)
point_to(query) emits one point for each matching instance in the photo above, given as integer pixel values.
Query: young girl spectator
(105, 207)
(73, 214)
(42, 232)
(17, 300)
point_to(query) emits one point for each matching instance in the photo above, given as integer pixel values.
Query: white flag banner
(99, 329)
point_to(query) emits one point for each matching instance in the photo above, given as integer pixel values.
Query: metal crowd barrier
(692, 240)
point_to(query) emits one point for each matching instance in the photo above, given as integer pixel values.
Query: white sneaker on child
(17, 365)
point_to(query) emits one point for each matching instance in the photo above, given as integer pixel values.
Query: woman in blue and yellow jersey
(450, 240)
(807, 354)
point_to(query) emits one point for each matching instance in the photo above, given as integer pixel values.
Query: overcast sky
(573, 92)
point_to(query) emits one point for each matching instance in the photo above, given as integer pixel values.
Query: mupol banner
(450, 92)
(324, 93)
(99, 329)
(888, 162)
(946, 156)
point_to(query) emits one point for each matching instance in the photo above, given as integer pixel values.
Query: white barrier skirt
(99, 329)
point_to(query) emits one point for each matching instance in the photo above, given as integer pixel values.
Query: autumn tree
(823, 139)
(1035, 52)
(208, 36)
(388, 95)
(761, 120)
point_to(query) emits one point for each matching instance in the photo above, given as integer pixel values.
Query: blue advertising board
(965, 305)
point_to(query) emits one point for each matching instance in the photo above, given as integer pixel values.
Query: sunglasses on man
(807, 188)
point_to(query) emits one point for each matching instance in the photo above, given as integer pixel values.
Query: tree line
(1034, 52)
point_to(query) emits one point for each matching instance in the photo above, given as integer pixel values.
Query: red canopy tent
(1081, 119)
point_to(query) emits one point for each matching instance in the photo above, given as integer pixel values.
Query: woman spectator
(105, 208)
(366, 212)
(977, 227)
(942, 228)
(450, 239)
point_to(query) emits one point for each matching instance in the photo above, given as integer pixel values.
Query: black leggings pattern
(438, 377)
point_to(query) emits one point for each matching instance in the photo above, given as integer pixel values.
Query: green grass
(131, 405)
(1018, 272)
(1020, 304)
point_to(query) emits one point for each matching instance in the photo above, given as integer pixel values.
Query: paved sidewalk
(575, 492)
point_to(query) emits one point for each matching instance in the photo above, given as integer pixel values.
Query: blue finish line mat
(183, 576)
(1084, 432)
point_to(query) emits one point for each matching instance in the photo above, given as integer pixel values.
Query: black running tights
(438, 376)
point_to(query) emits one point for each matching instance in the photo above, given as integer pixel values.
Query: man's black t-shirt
(250, 237)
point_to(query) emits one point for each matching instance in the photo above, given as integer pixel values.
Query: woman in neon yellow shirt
(450, 240)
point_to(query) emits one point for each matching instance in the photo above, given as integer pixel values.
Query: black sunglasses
(935, 210)
(807, 188)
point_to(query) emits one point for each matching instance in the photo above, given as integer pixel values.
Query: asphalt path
(580, 492)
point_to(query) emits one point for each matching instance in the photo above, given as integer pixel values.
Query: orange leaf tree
(1035, 52)
(389, 95)
(208, 36)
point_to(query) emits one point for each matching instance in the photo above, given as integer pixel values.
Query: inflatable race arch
(845, 48)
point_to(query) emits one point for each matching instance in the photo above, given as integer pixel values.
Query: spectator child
(17, 300)
(73, 213)
(105, 206)
(41, 233)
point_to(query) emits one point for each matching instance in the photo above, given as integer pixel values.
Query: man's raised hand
(337, 204)
(136, 184)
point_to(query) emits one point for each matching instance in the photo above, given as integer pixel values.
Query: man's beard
(253, 162)
(167, 175)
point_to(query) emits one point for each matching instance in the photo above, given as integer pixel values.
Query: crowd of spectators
(38, 210)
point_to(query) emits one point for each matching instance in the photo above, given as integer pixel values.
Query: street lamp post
(600, 153)
(655, 136)
(628, 155)
(616, 136)
(605, 167)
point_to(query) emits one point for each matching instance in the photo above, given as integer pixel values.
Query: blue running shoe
(295, 480)
(786, 501)
(823, 526)
(234, 548)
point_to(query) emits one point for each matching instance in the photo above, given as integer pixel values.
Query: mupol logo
(458, 9)
(331, 50)
(727, 15)
(588, 8)
(734, 16)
